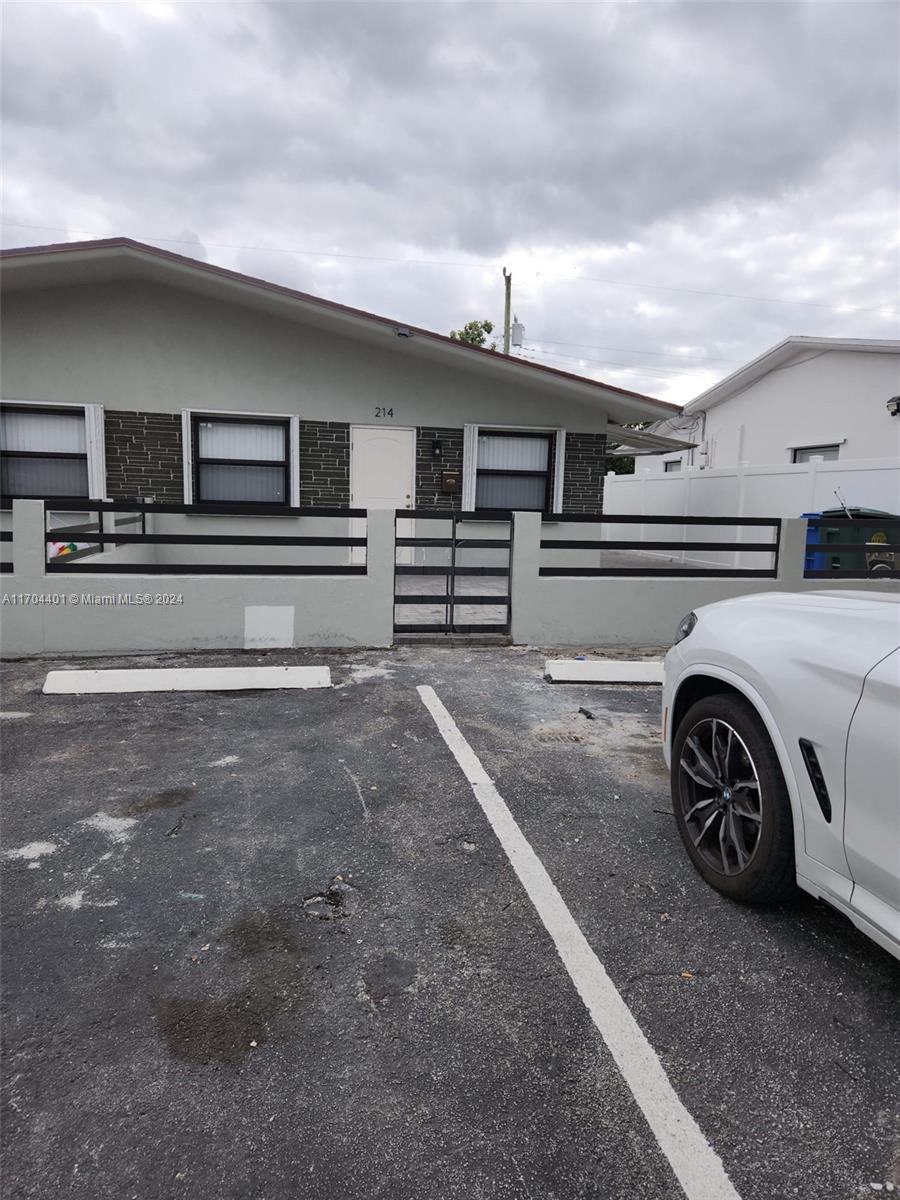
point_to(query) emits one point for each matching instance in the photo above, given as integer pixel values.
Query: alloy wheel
(719, 793)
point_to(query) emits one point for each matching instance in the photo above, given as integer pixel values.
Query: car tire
(741, 838)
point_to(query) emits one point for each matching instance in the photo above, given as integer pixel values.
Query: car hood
(822, 631)
(883, 606)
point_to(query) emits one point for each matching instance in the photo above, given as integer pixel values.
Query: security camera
(893, 406)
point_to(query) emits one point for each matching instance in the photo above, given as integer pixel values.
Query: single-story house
(129, 371)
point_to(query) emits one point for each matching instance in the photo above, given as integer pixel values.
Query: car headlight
(685, 625)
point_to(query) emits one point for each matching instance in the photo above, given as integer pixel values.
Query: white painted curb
(603, 670)
(185, 679)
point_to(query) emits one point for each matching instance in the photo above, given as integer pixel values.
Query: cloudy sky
(675, 187)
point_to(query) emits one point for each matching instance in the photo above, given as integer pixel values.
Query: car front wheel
(730, 801)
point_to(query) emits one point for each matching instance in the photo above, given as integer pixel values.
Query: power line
(198, 241)
(482, 266)
(658, 369)
(661, 287)
(635, 350)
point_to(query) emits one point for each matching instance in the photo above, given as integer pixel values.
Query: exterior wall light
(437, 449)
(893, 406)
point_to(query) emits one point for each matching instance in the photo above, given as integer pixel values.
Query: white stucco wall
(86, 613)
(640, 610)
(835, 396)
(57, 613)
(143, 346)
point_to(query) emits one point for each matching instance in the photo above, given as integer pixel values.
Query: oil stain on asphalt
(225, 1029)
(173, 798)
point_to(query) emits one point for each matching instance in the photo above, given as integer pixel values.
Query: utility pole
(507, 282)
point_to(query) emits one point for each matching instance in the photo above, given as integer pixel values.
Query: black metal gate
(431, 572)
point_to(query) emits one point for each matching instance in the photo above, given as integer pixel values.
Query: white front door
(382, 475)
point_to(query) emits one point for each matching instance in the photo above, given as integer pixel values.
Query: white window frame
(671, 466)
(807, 442)
(187, 448)
(470, 459)
(94, 439)
(833, 443)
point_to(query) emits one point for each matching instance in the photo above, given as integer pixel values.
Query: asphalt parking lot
(266, 944)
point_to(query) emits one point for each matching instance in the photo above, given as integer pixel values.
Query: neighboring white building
(807, 418)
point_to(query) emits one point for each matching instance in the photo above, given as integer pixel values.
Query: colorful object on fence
(61, 549)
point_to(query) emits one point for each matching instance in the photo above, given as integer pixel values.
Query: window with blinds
(241, 460)
(43, 452)
(513, 471)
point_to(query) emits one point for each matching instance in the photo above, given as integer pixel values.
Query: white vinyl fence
(785, 490)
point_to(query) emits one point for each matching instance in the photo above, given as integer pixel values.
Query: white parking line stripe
(697, 1167)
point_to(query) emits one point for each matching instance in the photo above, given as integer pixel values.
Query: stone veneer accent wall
(585, 472)
(143, 455)
(585, 469)
(324, 464)
(143, 458)
(428, 468)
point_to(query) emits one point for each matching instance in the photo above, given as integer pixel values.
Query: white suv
(781, 724)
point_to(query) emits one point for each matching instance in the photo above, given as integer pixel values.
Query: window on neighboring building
(241, 460)
(673, 465)
(43, 452)
(513, 471)
(803, 454)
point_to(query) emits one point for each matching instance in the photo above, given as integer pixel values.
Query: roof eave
(790, 348)
(592, 391)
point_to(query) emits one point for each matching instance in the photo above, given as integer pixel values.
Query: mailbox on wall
(451, 481)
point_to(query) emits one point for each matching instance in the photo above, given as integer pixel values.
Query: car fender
(752, 695)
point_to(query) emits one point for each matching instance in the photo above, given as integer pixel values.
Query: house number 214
(384, 412)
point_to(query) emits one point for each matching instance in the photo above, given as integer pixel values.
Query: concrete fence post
(525, 560)
(22, 624)
(792, 554)
(380, 557)
(812, 482)
(29, 548)
(737, 559)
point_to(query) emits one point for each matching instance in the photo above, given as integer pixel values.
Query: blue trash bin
(816, 560)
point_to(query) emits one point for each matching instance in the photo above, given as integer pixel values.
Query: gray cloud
(746, 148)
